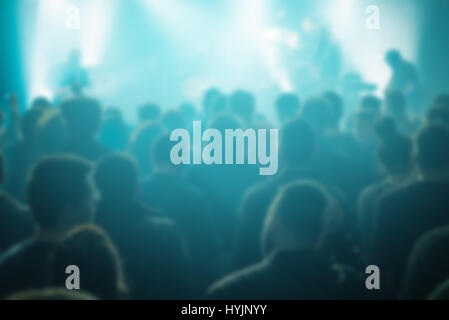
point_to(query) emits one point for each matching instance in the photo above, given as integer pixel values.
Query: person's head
(295, 217)
(395, 150)
(438, 114)
(393, 58)
(148, 112)
(370, 103)
(60, 194)
(442, 100)
(364, 124)
(220, 104)
(287, 106)
(160, 156)
(29, 123)
(432, 153)
(82, 116)
(99, 264)
(114, 131)
(243, 104)
(395, 105)
(297, 142)
(209, 98)
(188, 112)
(116, 177)
(335, 102)
(316, 111)
(51, 133)
(172, 120)
(142, 144)
(41, 102)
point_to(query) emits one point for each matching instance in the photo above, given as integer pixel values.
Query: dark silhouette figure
(287, 107)
(60, 198)
(428, 264)
(156, 261)
(297, 145)
(406, 213)
(98, 261)
(83, 119)
(293, 266)
(16, 223)
(395, 157)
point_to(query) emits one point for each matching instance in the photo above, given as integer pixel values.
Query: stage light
(48, 38)
(364, 48)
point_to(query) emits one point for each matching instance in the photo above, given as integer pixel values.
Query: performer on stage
(73, 77)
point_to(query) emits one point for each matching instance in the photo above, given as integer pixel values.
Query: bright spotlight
(50, 38)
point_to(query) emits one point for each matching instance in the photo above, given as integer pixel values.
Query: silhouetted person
(406, 213)
(172, 120)
(396, 107)
(395, 157)
(156, 261)
(293, 266)
(97, 259)
(114, 132)
(243, 104)
(208, 102)
(83, 119)
(428, 264)
(224, 185)
(51, 133)
(22, 155)
(297, 144)
(168, 191)
(60, 198)
(404, 77)
(287, 107)
(141, 145)
(73, 76)
(148, 112)
(16, 223)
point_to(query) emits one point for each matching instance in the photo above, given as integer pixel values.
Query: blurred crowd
(81, 186)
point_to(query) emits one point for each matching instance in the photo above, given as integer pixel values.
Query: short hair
(300, 206)
(287, 105)
(442, 100)
(335, 106)
(30, 122)
(41, 102)
(209, 98)
(161, 151)
(55, 182)
(393, 57)
(82, 116)
(117, 175)
(297, 141)
(316, 111)
(149, 112)
(395, 149)
(92, 251)
(242, 103)
(173, 119)
(431, 148)
(370, 103)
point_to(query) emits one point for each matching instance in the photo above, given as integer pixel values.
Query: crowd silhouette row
(80, 186)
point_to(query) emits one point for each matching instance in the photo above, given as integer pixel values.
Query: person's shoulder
(16, 254)
(237, 284)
